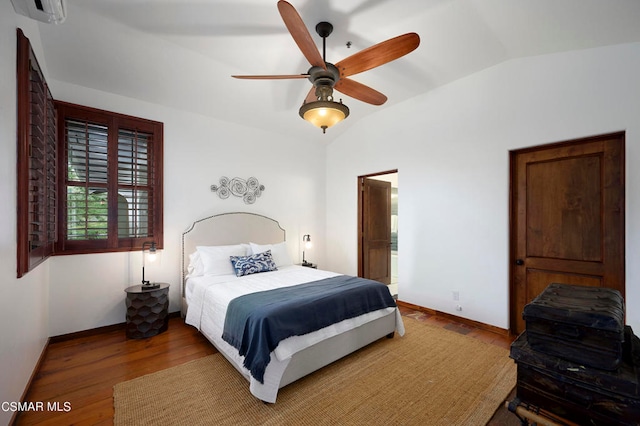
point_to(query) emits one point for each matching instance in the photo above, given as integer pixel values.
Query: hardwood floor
(78, 375)
(83, 371)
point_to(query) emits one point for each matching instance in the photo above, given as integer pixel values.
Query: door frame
(361, 212)
(513, 211)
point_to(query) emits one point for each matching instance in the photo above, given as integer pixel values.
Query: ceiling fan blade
(300, 34)
(270, 77)
(360, 91)
(378, 54)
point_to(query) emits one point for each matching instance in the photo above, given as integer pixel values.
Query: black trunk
(584, 395)
(578, 323)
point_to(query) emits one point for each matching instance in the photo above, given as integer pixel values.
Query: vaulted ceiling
(182, 53)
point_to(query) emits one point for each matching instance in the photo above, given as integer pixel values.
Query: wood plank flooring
(80, 374)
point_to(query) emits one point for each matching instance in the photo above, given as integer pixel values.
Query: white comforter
(208, 297)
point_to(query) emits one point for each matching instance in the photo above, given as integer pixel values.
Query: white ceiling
(181, 53)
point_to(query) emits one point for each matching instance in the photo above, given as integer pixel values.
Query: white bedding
(208, 297)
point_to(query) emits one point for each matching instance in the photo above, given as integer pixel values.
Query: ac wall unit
(49, 11)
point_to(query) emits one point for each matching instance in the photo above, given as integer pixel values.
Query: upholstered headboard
(226, 229)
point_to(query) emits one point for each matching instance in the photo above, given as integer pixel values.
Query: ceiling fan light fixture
(324, 114)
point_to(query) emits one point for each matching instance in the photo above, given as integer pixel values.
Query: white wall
(451, 147)
(24, 304)
(88, 290)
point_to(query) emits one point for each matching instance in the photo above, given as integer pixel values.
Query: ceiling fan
(319, 108)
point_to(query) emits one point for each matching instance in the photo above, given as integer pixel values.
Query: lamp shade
(152, 256)
(324, 114)
(307, 241)
(152, 252)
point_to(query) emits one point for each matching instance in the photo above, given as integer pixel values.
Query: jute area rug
(431, 376)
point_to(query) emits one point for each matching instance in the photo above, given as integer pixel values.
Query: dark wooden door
(375, 230)
(567, 218)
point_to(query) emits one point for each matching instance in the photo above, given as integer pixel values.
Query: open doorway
(378, 228)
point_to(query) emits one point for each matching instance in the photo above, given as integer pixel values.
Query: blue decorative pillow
(246, 265)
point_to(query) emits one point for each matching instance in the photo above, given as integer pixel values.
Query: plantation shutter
(87, 210)
(135, 179)
(37, 162)
(113, 181)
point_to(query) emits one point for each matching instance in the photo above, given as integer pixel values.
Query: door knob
(519, 262)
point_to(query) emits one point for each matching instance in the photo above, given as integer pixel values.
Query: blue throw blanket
(257, 322)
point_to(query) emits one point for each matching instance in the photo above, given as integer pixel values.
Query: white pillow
(279, 252)
(215, 259)
(196, 268)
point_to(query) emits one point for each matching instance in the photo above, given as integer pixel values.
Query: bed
(208, 291)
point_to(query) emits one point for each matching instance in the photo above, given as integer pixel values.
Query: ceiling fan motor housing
(330, 76)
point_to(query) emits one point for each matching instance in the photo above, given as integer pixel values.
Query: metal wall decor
(249, 189)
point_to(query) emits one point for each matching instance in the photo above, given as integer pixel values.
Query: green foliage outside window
(86, 213)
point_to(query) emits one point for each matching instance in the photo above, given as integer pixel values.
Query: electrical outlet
(456, 295)
(458, 307)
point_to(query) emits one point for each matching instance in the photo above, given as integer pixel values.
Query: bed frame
(235, 228)
(227, 229)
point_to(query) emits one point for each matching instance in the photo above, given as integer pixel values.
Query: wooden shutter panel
(135, 184)
(87, 210)
(37, 160)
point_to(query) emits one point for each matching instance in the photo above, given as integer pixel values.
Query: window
(111, 180)
(36, 162)
(88, 180)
